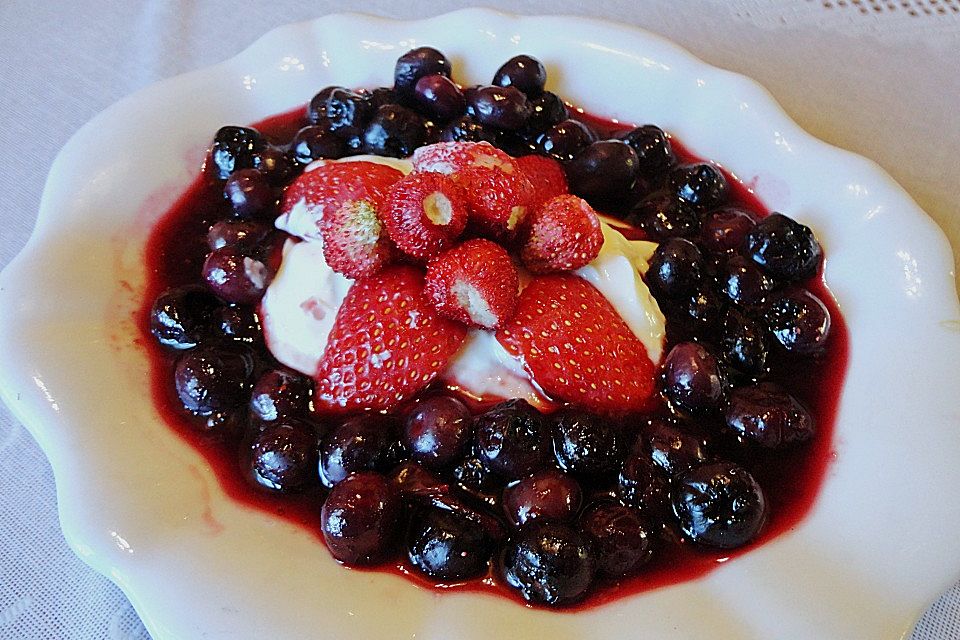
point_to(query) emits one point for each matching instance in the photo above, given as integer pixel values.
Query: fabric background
(879, 77)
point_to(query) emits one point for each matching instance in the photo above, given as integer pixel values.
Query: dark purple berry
(565, 139)
(674, 449)
(447, 546)
(545, 496)
(676, 269)
(284, 457)
(277, 166)
(545, 111)
(379, 97)
(786, 249)
(180, 317)
(700, 185)
(524, 73)
(239, 324)
(211, 380)
(237, 274)
(316, 143)
(359, 444)
(340, 111)
(800, 322)
(280, 394)
(622, 541)
(439, 97)
(249, 194)
(502, 107)
(477, 481)
(416, 483)
(719, 505)
(766, 415)
(603, 171)
(744, 343)
(654, 154)
(643, 486)
(465, 129)
(549, 563)
(244, 234)
(693, 379)
(360, 519)
(585, 444)
(744, 282)
(663, 215)
(725, 230)
(415, 64)
(394, 131)
(702, 311)
(235, 148)
(438, 430)
(512, 439)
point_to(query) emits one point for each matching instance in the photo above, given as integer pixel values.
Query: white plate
(143, 507)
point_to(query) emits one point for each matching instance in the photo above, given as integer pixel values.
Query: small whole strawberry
(546, 175)
(387, 343)
(475, 283)
(562, 235)
(498, 202)
(578, 348)
(452, 157)
(424, 214)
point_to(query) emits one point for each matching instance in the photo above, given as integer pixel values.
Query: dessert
(482, 337)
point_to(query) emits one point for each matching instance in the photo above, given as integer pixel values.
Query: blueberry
(340, 111)
(415, 64)
(524, 73)
(249, 194)
(623, 542)
(725, 230)
(548, 495)
(549, 563)
(800, 322)
(239, 324)
(663, 215)
(693, 379)
(719, 505)
(585, 444)
(743, 282)
(281, 394)
(642, 485)
(700, 185)
(448, 546)
(674, 449)
(676, 269)
(477, 481)
(502, 107)
(360, 444)
(180, 317)
(439, 97)
(316, 143)
(360, 519)
(603, 171)
(700, 312)
(379, 97)
(744, 343)
(512, 439)
(786, 249)
(565, 139)
(277, 166)
(244, 234)
(654, 154)
(465, 129)
(767, 415)
(211, 380)
(235, 148)
(284, 457)
(394, 131)
(546, 111)
(417, 484)
(237, 274)
(438, 430)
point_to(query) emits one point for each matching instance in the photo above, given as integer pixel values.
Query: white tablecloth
(880, 77)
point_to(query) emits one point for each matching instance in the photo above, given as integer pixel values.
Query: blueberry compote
(562, 508)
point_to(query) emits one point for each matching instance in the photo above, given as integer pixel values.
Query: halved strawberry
(546, 175)
(475, 283)
(577, 348)
(562, 235)
(452, 157)
(498, 202)
(424, 214)
(386, 344)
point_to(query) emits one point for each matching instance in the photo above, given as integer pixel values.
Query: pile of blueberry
(551, 504)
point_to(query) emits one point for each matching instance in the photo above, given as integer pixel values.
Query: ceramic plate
(142, 507)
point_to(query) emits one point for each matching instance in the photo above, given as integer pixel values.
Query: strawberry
(424, 214)
(475, 283)
(562, 235)
(387, 343)
(498, 202)
(546, 175)
(577, 348)
(453, 157)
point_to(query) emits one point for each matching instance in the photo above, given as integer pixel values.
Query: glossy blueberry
(700, 185)
(693, 379)
(565, 139)
(642, 485)
(237, 274)
(239, 324)
(447, 546)
(673, 448)
(512, 439)
(379, 97)
(549, 563)
(743, 282)
(394, 131)
(439, 97)
(438, 430)
(180, 317)
(477, 481)
(280, 394)
(416, 483)
(360, 444)
(315, 143)
(725, 230)
(340, 111)
(663, 215)
(701, 311)
(719, 505)
(545, 111)
(284, 457)
(766, 415)
(654, 153)
(235, 148)
(464, 129)
(245, 234)
(585, 444)
(415, 64)
(676, 269)
(360, 519)
(524, 73)
(786, 249)
(277, 166)
(249, 194)
(548, 495)
(744, 343)
(799, 321)
(502, 107)
(213, 379)
(603, 170)
(622, 541)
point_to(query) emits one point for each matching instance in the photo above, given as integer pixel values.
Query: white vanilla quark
(301, 304)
